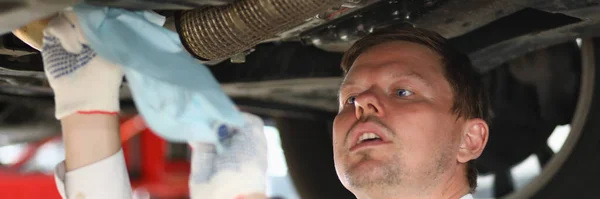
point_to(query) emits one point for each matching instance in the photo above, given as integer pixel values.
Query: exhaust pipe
(216, 33)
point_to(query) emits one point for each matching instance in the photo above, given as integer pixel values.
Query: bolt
(360, 27)
(429, 3)
(317, 41)
(352, 3)
(238, 58)
(344, 37)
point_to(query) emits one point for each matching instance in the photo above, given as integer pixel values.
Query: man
(412, 118)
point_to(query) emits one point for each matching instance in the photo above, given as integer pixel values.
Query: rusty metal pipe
(215, 33)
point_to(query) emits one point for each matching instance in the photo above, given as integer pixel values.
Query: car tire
(574, 170)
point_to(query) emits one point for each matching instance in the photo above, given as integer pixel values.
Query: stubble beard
(392, 173)
(385, 174)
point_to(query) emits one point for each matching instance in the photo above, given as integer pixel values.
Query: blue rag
(176, 95)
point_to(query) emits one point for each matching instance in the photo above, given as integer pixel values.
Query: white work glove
(82, 81)
(237, 172)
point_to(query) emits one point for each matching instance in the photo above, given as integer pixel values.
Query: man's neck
(452, 185)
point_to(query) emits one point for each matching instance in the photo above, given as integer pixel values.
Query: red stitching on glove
(239, 197)
(97, 112)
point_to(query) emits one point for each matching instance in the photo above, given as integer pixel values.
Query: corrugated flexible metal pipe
(215, 33)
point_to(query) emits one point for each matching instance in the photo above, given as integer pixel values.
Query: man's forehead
(398, 50)
(395, 73)
(396, 59)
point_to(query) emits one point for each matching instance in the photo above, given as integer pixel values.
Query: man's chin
(370, 174)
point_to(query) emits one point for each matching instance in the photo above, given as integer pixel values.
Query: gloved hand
(82, 81)
(176, 95)
(239, 172)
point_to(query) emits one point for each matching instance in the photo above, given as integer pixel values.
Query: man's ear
(473, 141)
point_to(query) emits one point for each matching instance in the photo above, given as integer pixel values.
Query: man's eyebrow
(411, 75)
(344, 84)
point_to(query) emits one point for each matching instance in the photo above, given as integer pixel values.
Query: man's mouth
(368, 133)
(367, 139)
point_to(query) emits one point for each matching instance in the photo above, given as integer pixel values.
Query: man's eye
(404, 93)
(351, 100)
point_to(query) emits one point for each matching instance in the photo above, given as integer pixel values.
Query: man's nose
(367, 104)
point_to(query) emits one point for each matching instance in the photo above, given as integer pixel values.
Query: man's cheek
(341, 125)
(337, 138)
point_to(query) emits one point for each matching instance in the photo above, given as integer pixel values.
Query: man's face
(395, 91)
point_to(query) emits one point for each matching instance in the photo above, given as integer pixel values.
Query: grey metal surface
(457, 17)
(318, 93)
(159, 4)
(17, 13)
(492, 56)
